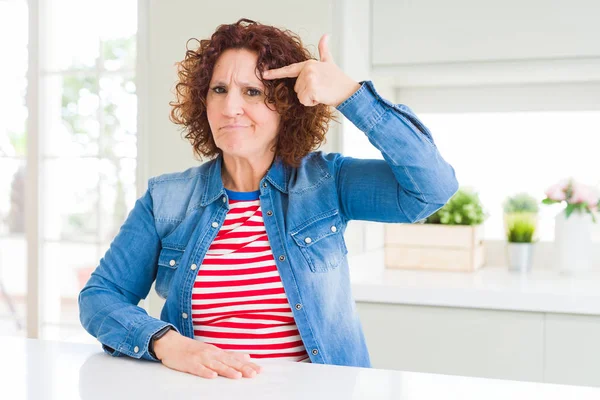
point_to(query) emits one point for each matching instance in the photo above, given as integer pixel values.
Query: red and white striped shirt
(238, 300)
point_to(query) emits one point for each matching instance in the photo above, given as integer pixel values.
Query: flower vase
(573, 242)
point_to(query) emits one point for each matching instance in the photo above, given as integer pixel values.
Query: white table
(36, 369)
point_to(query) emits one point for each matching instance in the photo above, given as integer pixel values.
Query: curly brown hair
(302, 129)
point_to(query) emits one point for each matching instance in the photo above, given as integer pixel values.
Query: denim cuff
(136, 345)
(365, 107)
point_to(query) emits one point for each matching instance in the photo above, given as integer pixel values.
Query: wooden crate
(434, 247)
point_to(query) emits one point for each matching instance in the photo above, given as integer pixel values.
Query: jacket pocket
(321, 241)
(168, 261)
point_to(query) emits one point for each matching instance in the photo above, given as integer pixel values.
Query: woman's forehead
(238, 65)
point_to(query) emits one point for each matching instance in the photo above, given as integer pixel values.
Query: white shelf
(489, 288)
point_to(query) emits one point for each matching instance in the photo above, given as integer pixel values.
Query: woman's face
(241, 124)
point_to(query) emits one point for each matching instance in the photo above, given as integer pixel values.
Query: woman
(248, 248)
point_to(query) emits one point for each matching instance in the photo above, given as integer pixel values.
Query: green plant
(521, 202)
(464, 208)
(521, 229)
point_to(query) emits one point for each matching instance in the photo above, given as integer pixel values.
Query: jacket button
(265, 184)
(215, 224)
(172, 263)
(224, 199)
(193, 267)
(308, 240)
(281, 258)
(184, 315)
(333, 229)
(298, 306)
(136, 349)
(269, 213)
(315, 352)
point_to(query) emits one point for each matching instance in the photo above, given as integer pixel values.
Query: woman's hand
(318, 81)
(188, 355)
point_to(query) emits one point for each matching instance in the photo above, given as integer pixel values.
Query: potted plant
(573, 224)
(520, 234)
(450, 239)
(520, 205)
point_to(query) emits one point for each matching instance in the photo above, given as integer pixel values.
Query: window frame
(35, 157)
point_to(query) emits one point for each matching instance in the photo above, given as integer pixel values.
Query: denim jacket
(170, 228)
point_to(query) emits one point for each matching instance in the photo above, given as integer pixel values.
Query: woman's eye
(218, 89)
(253, 92)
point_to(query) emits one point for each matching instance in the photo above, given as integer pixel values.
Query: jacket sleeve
(410, 183)
(108, 307)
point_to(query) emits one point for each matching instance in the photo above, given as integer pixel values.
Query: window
(88, 145)
(87, 139)
(506, 139)
(13, 147)
(502, 153)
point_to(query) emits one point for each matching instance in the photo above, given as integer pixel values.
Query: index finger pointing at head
(289, 71)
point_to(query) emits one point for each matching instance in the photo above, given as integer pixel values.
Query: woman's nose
(233, 105)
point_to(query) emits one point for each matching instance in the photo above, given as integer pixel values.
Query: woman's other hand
(205, 360)
(318, 82)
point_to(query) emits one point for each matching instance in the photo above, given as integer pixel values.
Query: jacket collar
(277, 175)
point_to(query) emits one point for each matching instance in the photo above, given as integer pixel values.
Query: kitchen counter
(489, 288)
(36, 369)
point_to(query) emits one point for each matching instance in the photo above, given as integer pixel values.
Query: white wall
(489, 54)
(437, 31)
(503, 98)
